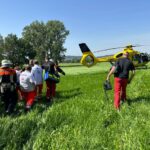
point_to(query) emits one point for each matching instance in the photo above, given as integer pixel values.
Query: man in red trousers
(51, 80)
(121, 73)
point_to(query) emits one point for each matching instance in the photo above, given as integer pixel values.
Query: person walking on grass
(121, 71)
(51, 77)
(8, 80)
(27, 85)
(37, 72)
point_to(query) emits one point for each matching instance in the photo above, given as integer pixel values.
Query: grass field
(81, 118)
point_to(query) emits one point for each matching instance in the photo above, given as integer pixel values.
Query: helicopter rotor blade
(107, 49)
(137, 45)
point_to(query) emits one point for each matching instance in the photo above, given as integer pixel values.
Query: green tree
(26, 50)
(47, 39)
(56, 36)
(17, 50)
(1, 47)
(11, 49)
(35, 34)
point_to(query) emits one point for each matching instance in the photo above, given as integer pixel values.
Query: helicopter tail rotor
(88, 59)
(84, 48)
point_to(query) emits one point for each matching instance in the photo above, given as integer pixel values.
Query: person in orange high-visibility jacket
(8, 80)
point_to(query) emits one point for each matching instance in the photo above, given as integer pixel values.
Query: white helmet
(6, 63)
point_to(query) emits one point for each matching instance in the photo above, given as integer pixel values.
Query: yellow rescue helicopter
(88, 59)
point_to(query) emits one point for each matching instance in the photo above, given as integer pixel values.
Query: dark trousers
(10, 100)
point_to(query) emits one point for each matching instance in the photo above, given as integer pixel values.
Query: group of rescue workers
(27, 83)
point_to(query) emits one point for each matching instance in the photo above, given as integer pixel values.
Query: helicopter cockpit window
(89, 60)
(137, 57)
(141, 58)
(144, 57)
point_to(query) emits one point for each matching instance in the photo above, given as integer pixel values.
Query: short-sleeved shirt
(123, 66)
(38, 74)
(27, 81)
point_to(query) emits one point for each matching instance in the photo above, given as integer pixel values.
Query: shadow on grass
(65, 95)
(41, 105)
(139, 99)
(19, 110)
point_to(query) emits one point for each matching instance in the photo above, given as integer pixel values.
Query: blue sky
(99, 23)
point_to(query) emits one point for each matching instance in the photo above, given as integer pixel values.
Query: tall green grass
(82, 118)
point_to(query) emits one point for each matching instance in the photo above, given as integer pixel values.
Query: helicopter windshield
(141, 58)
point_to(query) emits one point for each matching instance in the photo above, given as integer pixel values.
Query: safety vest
(7, 79)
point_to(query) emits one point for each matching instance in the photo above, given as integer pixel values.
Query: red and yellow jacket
(7, 75)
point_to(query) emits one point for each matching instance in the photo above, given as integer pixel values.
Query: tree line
(39, 40)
